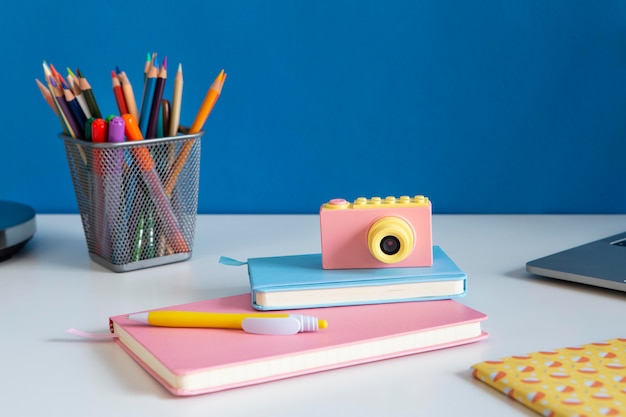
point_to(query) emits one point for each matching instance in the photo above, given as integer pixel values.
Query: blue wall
(486, 107)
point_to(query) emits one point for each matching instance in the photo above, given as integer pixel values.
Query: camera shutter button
(337, 203)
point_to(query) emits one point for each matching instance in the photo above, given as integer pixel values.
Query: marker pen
(99, 135)
(258, 323)
(112, 158)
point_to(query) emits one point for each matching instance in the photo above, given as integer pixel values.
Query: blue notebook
(298, 281)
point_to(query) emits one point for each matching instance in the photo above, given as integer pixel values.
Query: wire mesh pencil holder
(137, 200)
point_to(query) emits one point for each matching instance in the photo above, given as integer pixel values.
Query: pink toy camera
(376, 233)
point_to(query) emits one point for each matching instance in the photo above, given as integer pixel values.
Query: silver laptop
(601, 263)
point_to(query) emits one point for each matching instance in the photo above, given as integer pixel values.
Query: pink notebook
(198, 361)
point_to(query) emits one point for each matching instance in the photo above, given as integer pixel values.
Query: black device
(17, 226)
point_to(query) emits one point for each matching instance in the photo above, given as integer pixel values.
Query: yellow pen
(257, 323)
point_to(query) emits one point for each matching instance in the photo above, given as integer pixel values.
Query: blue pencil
(77, 112)
(146, 102)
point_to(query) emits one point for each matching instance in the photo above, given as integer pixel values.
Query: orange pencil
(151, 180)
(207, 104)
(45, 92)
(205, 109)
(142, 154)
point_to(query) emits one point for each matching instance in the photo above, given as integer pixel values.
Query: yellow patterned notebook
(587, 380)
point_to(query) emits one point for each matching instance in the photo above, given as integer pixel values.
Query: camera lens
(390, 245)
(390, 239)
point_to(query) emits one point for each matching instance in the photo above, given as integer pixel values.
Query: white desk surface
(52, 285)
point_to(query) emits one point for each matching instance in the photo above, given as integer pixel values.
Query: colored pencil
(48, 76)
(146, 102)
(146, 65)
(89, 96)
(208, 103)
(72, 79)
(157, 96)
(150, 60)
(176, 102)
(64, 110)
(165, 116)
(77, 112)
(65, 114)
(57, 75)
(46, 70)
(205, 109)
(129, 94)
(47, 95)
(118, 93)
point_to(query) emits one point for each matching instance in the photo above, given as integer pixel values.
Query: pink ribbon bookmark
(89, 335)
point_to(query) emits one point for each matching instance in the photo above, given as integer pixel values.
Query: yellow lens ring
(390, 226)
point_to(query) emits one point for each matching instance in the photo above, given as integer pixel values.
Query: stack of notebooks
(372, 314)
